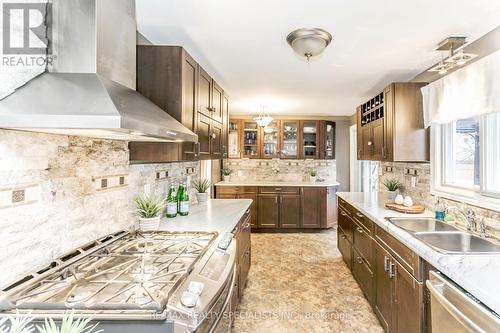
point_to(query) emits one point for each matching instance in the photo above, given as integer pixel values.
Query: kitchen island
(476, 273)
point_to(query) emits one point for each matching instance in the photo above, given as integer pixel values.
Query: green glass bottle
(184, 202)
(180, 193)
(171, 202)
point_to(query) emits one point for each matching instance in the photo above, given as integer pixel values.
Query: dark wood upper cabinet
(290, 211)
(289, 137)
(225, 126)
(234, 138)
(216, 140)
(217, 102)
(204, 131)
(309, 134)
(270, 143)
(327, 140)
(390, 126)
(250, 139)
(174, 81)
(205, 93)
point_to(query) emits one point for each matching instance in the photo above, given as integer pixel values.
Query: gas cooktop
(120, 272)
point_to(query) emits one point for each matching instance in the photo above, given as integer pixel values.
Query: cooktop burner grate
(136, 271)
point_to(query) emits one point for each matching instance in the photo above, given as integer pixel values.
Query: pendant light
(263, 119)
(309, 42)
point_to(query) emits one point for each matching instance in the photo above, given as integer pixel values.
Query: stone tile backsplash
(279, 169)
(421, 192)
(59, 192)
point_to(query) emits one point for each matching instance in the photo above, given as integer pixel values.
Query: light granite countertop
(478, 274)
(326, 183)
(220, 215)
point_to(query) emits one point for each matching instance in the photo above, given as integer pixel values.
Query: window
(466, 160)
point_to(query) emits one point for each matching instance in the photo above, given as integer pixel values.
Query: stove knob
(188, 299)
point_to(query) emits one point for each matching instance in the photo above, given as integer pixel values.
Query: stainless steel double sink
(444, 237)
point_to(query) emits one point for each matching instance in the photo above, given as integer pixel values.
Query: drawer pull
(342, 213)
(359, 215)
(248, 211)
(391, 270)
(359, 260)
(277, 189)
(247, 226)
(358, 229)
(247, 253)
(343, 236)
(386, 263)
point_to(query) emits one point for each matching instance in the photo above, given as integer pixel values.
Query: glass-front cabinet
(234, 150)
(290, 139)
(250, 139)
(270, 141)
(328, 140)
(310, 138)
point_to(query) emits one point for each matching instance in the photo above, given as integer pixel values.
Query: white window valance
(467, 92)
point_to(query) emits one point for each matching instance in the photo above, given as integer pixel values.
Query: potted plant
(201, 186)
(149, 209)
(313, 175)
(392, 185)
(69, 325)
(226, 174)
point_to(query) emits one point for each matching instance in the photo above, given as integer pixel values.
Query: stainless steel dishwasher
(454, 310)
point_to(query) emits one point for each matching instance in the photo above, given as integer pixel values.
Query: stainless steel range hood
(89, 89)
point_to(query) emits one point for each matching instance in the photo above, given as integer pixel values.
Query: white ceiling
(242, 44)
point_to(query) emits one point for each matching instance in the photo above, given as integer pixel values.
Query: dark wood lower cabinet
(243, 257)
(287, 208)
(290, 211)
(345, 247)
(268, 211)
(251, 196)
(364, 276)
(408, 299)
(384, 303)
(388, 272)
(311, 206)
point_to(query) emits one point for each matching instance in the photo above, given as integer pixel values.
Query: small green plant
(227, 171)
(149, 206)
(19, 323)
(202, 185)
(313, 173)
(392, 184)
(68, 325)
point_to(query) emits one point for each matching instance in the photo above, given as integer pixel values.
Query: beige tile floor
(298, 283)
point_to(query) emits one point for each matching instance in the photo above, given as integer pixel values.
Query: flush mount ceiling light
(263, 119)
(457, 56)
(309, 42)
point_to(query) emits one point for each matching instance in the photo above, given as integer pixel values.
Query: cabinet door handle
(386, 263)
(391, 270)
(358, 229)
(359, 260)
(343, 236)
(276, 200)
(383, 152)
(369, 143)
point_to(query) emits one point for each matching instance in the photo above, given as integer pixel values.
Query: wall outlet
(413, 182)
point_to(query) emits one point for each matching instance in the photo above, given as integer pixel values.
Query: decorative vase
(399, 199)
(391, 196)
(149, 224)
(202, 197)
(226, 178)
(408, 202)
(312, 179)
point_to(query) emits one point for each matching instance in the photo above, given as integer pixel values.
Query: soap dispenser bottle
(440, 210)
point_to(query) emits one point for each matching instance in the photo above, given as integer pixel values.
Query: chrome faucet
(470, 217)
(482, 228)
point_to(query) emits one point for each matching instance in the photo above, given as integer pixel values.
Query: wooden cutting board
(415, 209)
